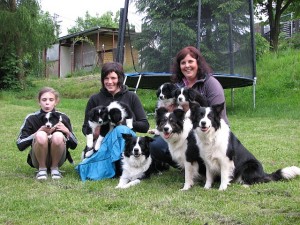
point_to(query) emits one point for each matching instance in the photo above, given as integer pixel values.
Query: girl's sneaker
(41, 175)
(55, 174)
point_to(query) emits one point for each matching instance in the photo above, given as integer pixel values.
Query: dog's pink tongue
(204, 129)
(167, 135)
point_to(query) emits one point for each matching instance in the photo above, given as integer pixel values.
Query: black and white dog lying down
(177, 130)
(105, 117)
(224, 155)
(136, 161)
(50, 119)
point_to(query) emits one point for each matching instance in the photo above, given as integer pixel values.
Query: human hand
(171, 108)
(62, 128)
(47, 130)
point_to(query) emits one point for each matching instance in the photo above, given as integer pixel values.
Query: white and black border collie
(164, 94)
(177, 131)
(50, 119)
(185, 95)
(118, 113)
(97, 117)
(165, 98)
(136, 160)
(224, 155)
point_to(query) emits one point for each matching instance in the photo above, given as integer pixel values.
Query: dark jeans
(160, 151)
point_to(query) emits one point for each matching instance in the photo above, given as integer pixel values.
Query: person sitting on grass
(48, 145)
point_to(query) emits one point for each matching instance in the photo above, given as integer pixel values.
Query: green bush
(262, 45)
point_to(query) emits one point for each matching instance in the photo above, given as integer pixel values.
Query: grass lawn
(271, 132)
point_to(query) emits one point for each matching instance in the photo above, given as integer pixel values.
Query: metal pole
(199, 25)
(122, 31)
(253, 48)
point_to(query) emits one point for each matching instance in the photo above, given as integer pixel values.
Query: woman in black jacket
(105, 163)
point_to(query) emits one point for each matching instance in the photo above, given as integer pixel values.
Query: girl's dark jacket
(33, 122)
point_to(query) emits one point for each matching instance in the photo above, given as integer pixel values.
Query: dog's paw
(186, 187)
(153, 131)
(207, 186)
(223, 187)
(89, 153)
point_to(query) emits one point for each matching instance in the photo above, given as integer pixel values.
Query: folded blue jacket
(101, 164)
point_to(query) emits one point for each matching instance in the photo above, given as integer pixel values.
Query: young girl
(49, 146)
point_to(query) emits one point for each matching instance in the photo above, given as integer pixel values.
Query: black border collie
(177, 131)
(50, 119)
(137, 163)
(97, 117)
(224, 155)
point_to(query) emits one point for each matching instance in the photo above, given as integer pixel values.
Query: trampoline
(226, 41)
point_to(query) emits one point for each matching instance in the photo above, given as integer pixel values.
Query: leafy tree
(170, 25)
(273, 10)
(24, 33)
(105, 20)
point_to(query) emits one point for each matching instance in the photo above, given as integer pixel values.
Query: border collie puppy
(177, 131)
(165, 96)
(185, 95)
(136, 160)
(50, 119)
(225, 156)
(118, 113)
(97, 117)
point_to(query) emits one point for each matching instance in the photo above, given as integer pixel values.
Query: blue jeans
(160, 151)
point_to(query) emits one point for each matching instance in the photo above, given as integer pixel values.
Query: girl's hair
(203, 67)
(48, 89)
(109, 67)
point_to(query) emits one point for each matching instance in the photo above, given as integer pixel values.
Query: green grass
(270, 131)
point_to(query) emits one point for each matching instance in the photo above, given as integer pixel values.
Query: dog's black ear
(172, 87)
(194, 106)
(158, 92)
(218, 108)
(56, 115)
(126, 136)
(160, 112)
(191, 94)
(179, 113)
(149, 139)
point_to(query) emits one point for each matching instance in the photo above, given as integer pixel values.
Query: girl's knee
(58, 138)
(40, 138)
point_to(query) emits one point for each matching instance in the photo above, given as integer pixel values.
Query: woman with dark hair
(190, 69)
(112, 77)
(105, 162)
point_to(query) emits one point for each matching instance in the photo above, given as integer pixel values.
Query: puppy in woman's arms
(165, 98)
(97, 117)
(225, 156)
(136, 161)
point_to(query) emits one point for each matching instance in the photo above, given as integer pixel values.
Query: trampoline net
(225, 40)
